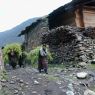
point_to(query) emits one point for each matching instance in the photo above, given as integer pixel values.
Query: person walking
(22, 59)
(13, 58)
(42, 59)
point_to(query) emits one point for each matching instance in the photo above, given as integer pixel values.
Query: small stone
(39, 78)
(18, 79)
(45, 85)
(60, 87)
(22, 85)
(22, 93)
(26, 86)
(82, 64)
(12, 82)
(21, 81)
(89, 92)
(26, 83)
(34, 92)
(16, 92)
(82, 75)
(58, 82)
(82, 48)
(3, 85)
(13, 77)
(36, 82)
(70, 93)
(3, 80)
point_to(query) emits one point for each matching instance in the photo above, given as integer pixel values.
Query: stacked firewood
(71, 45)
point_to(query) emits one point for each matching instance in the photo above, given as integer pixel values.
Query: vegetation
(33, 55)
(91, 66)
(16, 47)
(3, 75)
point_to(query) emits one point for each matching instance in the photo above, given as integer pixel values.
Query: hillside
(11, 36)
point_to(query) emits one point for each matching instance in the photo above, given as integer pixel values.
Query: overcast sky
(14, 12)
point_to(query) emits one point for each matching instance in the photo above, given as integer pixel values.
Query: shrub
(33, 55)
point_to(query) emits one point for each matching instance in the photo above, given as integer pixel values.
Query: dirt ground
(58, 81)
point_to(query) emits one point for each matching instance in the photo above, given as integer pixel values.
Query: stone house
(72, 36)
(80, 13)
(34, 32)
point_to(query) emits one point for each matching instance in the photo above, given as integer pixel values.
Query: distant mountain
(11, 36)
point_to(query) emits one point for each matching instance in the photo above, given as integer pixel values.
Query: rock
(16, 92)
(70, 93)
(58, 82)
(61, 87)
(26, 86)
(93, 61)
(13, 77)
(81, 48)
(79, 38)
(21, 81)
(18, 79)
(21, 85)
(34, 92)
(39, 78)
(36, 82)
(26, 83)
(22, 93)
(70, 86)
(12, 82)
(3, 80)
(89, 92)
(3, 85)
(82, 75)
(35, 70)
(83, 58)
(82, 64)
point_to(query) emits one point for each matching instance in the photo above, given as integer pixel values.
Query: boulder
(82, 75)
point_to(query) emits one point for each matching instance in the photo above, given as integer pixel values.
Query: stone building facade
(34, 32)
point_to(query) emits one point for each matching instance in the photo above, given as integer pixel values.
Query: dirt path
(27, 81)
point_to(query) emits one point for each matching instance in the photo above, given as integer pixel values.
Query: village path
(28, 81)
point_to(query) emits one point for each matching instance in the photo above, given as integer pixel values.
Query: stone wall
(33, 37)
(71, 45)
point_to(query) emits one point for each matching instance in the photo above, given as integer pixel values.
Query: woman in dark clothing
(42, 60)
(13, 58)
(22, 58)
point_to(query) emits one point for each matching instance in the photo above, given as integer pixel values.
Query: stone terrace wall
(71, 45)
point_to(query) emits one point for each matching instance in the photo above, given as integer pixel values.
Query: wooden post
(79, 18)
